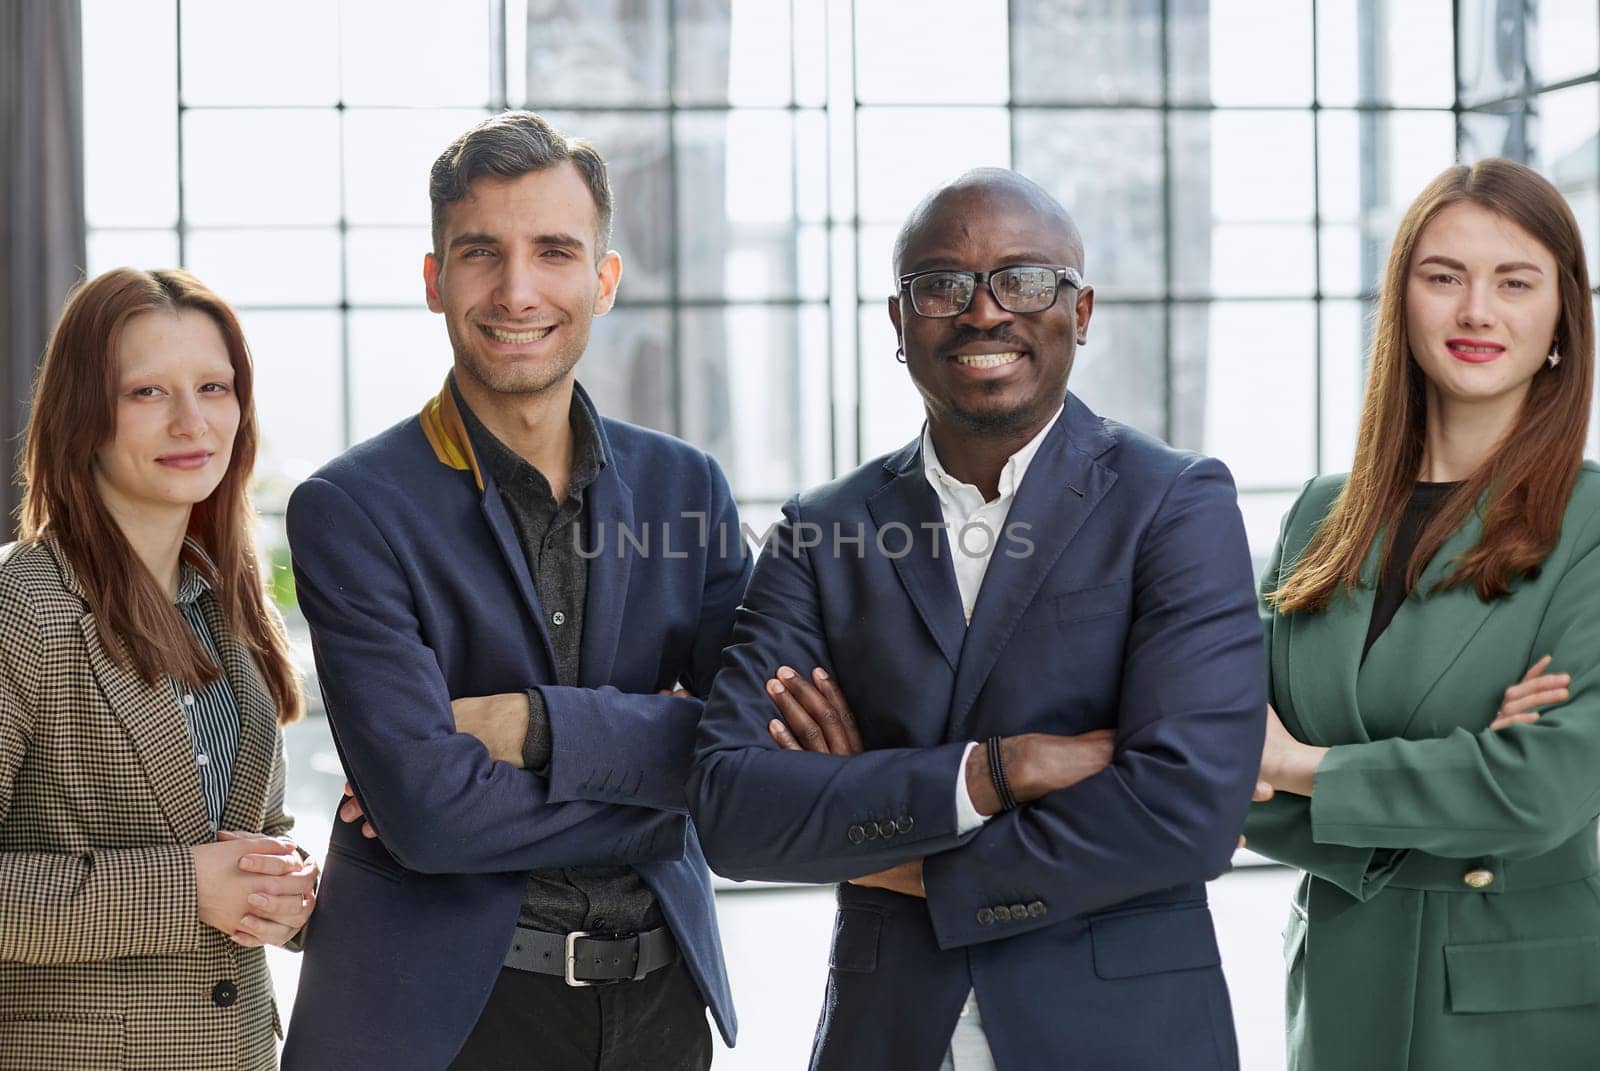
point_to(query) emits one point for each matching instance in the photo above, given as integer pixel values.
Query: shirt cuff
(536, 745)
(967, 816)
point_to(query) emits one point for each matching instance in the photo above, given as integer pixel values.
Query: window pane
(891, 408)
(906, 152)
(387, 156)
(810, 54)
(740, 56)
(267, 166)
(1234, 204)
(1566, 154)
(595, 52)
(736, 196)
(299, 404)
(398, 360)
(947, 52)
(1259, 52)
(1371, 166)
(134, 249)
(1121, 372)
(628, 367)
(875, 243)
(1402, 56)
(295, 266)
(1263, 513)
(1500, 130)
(1115, 45)
(217, 70)
(1105, 167)
(1188, 33)
(385, 264)
(1345, 330)
(756, 400)
(409, 52)
(130, 113)
(1247, 368)
(1567, 39)
(1492, 51)
(638, 158)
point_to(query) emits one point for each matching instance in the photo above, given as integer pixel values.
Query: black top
(605, 898)
(1392, 591)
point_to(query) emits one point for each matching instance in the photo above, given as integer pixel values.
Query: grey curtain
(42, 244)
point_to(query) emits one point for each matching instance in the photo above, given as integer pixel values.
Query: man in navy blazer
(514, 602)
(1034, 732)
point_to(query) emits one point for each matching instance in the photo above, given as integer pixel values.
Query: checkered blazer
(103, 961)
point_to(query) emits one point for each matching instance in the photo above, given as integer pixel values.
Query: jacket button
(1002, 913)
(856, 834)
(224, 993)
(870, 830)
(886, 828)
(1019, 912)
(1479, 879)
(903, 824)
(985, 916)
(1036, 910)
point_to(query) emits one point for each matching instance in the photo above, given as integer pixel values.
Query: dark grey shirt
(606, 898)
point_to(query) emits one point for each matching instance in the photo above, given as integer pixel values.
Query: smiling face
(986, 371)
(1483, 300)
(519, 280)
(176, 415)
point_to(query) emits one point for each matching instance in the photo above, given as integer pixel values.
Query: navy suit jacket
(1124, 601)
(417, 592)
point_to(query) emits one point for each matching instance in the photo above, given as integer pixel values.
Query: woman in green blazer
(1449, 915)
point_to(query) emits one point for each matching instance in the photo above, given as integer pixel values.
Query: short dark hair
(510, 145)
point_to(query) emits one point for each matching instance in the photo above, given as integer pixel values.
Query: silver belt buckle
(572, 959)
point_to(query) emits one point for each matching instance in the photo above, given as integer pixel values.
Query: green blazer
(1449, 915)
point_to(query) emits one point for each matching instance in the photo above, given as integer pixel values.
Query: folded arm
(1168, 808)
(439, 802)
(765, 812)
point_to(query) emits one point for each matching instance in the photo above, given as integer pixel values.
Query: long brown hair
(1529, 474)
(74, 413)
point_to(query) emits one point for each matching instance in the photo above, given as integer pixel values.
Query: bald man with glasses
(1004, 686)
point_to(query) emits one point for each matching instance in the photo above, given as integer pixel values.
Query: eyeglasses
(941, 293)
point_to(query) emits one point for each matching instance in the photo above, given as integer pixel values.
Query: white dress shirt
(974, 528)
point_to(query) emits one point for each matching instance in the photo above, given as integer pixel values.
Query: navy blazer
(1120, 596)
(417, 592)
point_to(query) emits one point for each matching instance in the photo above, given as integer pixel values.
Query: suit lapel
(1062, 487)
(258, 718)
(154, 725)
(1325, 661)
(505, 537)
(907, 514)
(610, 507)
(1425, 638)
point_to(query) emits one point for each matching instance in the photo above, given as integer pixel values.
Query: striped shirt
(212, 713)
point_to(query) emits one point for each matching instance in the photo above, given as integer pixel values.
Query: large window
(1236, 166)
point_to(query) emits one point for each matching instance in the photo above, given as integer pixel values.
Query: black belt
(586, 957)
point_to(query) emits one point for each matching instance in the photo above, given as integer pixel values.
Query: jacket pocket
(855, 939)
(1150, 942)
(1510, 976)
(1081, 604)
(31, 1042)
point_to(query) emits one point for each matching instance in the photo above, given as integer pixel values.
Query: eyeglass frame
(1064, 274)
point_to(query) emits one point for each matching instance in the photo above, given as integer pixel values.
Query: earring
(1554, 356)
(900, 354)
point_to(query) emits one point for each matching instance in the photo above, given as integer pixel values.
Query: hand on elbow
(1036, 764)
(258, 890)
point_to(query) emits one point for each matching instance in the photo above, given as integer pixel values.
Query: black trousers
(536, 1022)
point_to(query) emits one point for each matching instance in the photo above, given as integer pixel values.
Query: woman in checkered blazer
(143, 680)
